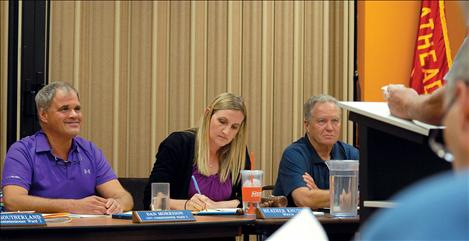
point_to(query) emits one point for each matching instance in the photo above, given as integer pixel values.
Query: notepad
(220, 211)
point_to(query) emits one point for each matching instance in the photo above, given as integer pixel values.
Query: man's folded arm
(314, 198)
(16, 198)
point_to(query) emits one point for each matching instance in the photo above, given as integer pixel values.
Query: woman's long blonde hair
(232, 156)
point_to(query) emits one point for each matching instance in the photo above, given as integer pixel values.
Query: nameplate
(162, 216)
(286, 212)
(22, 219)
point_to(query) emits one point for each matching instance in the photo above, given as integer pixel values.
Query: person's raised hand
(399, 99)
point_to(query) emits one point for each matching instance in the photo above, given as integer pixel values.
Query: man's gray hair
(313, 100)
(459, 70)
(45, 96)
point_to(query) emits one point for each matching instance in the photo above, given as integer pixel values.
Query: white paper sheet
(304, 226)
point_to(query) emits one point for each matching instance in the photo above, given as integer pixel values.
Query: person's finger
(195, 205)
(96, 202)
(197, 197)
(189, 205)
(203, 198)
(109, 202)
(113, 206)
(386, 90)
(111, 209)
(196, 202)
(99, 210)
(309, 181)
(100, 199)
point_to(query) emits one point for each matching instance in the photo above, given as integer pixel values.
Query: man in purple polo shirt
(55, 170)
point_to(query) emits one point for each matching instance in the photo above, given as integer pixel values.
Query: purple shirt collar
(42, 145)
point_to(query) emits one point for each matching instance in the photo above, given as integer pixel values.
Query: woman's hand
(198, 202)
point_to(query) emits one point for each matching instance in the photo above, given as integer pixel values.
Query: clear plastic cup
(343, 182)
(159, 196)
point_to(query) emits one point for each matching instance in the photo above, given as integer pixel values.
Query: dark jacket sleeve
(173, 164)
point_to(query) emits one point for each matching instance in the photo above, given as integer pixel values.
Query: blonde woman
(214, 154)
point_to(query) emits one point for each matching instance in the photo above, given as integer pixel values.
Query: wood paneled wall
(145, 69)
(3, 78)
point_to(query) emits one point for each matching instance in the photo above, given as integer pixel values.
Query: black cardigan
(173, 164)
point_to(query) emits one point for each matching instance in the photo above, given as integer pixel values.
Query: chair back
(135, 186)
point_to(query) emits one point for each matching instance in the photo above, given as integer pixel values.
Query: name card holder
(22, 219)
(270, 213)
(162, 216)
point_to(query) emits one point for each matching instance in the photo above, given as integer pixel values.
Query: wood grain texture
(62, 36)
(217, 51)
(179, 65)
(283, 78)
(3, 79)
(139, 88)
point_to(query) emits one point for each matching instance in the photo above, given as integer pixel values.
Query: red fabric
(432, 57)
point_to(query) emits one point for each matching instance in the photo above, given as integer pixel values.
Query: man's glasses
(438, 147)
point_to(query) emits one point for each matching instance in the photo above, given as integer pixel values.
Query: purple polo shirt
(30, 163)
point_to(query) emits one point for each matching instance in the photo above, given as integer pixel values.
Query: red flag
(432, 57)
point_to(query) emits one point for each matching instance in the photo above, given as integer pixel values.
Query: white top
(380, 111)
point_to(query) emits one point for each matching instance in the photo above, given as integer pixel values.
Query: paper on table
(58, 220)
(219, 211)
(426, 125)
(55, 215)
(385, 89)
(74, 215)
(304, 226)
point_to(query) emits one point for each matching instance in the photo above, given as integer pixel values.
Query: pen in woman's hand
(196, 185)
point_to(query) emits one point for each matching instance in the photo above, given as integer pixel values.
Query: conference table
(337, 228)
(205, 227)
